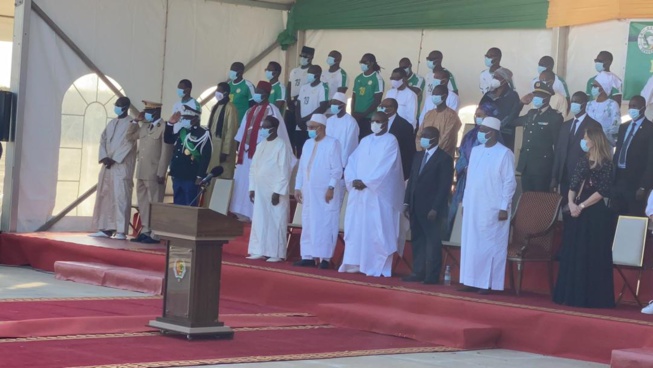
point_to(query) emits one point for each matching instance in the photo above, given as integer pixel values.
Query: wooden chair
(628, 249)
(455, 239)
(221, 195)
(532, 234)
(294, 229)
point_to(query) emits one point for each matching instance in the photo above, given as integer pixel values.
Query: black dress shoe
(467, 289)
(483, 291)
(305, 263)
(412, 278)
(139, 238)
(324, 265)
(148, 240)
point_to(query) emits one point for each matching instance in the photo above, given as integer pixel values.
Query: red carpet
(248, 345)
(530, 322)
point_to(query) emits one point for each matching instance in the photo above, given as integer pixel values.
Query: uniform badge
(238, 90)
(369, 83)
(186, 152)
(180, 270)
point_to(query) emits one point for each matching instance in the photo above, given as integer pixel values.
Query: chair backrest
(221, 195)
(536, 212)
(343, 210)
(629, 241)
(457, 230)
(297, 217)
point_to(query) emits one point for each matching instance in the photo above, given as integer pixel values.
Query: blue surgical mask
(149, 117)
(430, 64)
(488, 61)
(118, 110)
(335, 109)
(482, 137)
(583, 145)
(538, 102)
(425, 143)
(180, 92)
(303, 61)
(269, 75)
(576, 108)
(312, 134)
(478, 120)
(595, 91)
(331, 60)
(380, 109)
(599, 66)
(257, 97)
(437, 99)
(264, 133)
(437, 82)
(365, 67)
(233, 75)
(540, 69)
(634, 113)
(310, 78)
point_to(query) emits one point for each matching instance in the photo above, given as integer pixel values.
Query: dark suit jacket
(429, 190)
(639, 160)
(181, 165)
(404, 132)
(567, 150)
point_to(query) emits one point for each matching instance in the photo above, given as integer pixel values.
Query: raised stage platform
(430, 314)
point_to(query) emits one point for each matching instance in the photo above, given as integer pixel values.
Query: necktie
(624, 148)
(424, 161)
(574, 127)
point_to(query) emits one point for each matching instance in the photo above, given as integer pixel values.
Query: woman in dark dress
(585, 276)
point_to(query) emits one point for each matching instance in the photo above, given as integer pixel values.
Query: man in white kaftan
(343, 127)
(486, 207)
(269, 179)
(320, 170)
(116, 179)
(248, 138)
(375, 183)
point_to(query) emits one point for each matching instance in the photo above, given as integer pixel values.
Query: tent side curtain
(420, 14)
(571, 13)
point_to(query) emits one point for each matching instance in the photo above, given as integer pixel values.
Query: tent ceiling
(268, 4)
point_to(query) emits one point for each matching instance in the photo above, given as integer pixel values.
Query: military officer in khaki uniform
(541, 127)
(153, 159)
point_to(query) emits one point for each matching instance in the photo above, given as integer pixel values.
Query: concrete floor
(19, 282)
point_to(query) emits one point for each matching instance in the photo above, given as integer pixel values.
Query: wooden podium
(194, 258)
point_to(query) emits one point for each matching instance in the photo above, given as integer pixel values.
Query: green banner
(639, 62)
(420, 14)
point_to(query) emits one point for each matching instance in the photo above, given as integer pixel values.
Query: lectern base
(190, 332)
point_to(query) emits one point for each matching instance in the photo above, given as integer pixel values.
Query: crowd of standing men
(394, 159)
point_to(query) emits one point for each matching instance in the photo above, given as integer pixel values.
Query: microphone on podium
(216, 171)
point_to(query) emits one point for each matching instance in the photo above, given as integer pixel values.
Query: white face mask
(219, 96)
(376, 127)
(494, 84)
(396, 83)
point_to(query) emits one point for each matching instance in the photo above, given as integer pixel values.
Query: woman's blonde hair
(601, 151)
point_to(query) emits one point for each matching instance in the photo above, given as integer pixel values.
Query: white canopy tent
(147, 46)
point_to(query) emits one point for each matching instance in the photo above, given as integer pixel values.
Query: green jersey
(241, 93)
(278, 94)
(365, 88)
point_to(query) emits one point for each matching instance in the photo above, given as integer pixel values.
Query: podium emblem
(180, 269)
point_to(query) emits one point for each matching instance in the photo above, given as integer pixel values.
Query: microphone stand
(202, 190)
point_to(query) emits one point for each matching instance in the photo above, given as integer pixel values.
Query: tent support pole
(559, 50)
(292, 55)
(22, 16)
(70, 207)
(89, 63)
